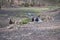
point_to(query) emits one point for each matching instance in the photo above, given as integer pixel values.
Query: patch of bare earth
(31, 31)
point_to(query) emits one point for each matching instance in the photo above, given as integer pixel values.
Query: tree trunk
(0, 6)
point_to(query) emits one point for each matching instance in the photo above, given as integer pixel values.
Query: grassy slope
(23, 10)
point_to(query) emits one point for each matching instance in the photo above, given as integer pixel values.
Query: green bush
(25, 21)
(26, 5)
(22, 4)
(31, 5)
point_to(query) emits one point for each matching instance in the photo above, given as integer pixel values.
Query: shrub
(25, 21)
(22, 4)
(26, 5)
(31, 5)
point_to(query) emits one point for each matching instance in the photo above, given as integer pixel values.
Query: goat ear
(8, 18)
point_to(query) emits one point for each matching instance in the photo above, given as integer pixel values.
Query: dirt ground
(32, 31)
